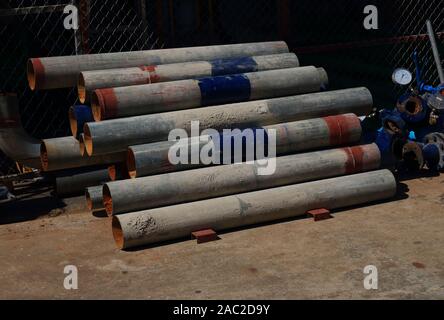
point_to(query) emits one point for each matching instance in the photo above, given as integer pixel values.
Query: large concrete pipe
(168, 223)
(179, 187)
(14, 140)
(75, 183)
(185, 94)
(148, 159)
(94, 198)
(64, 153)
(118, 134)
(78, 116)
(112, 78)
(62, 72)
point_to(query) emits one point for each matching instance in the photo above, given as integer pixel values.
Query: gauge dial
(402, 77)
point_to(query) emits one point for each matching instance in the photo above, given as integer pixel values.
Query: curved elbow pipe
(14, 141)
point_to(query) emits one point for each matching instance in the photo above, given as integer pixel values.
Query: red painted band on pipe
(35, 74)
(152, 71)
(104, 104)
(10, 123)
(335, 130)
(341, 127)
(355, 159)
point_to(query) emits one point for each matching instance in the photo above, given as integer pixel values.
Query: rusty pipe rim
(44, 156)
(118, 233)
(131, 164)
(87, 140)
(108, 201)
(97, 105)
(411, 106)
(73, 122)
(81, 88)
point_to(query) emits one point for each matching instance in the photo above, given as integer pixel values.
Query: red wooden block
(205, 236)
(319, 214)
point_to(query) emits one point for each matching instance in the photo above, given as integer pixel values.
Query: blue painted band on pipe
(224, 89)
(83, 115)
(233, 66)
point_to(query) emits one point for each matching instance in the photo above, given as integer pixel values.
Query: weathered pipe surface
(148, 159)
(76, 183)
(118, 134)
(112, 78)
(62, 72)
(185, 94)
(94, 198)
(179, 187)
(64, 153)
(15, 142)
(78, 116)
(174, 222)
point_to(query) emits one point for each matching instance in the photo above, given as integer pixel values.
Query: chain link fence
(323, 33)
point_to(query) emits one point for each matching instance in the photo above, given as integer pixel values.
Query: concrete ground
(297, 259)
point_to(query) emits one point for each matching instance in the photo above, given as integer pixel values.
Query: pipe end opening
(118, 233)
(131, 164)
(108, 201)
(87, 140)
(81, 88)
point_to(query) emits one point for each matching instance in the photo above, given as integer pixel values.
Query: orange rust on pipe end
(44, 157)
(118, 233)
(81, 89)
(104, 104)
(412, 106)
(87, 140)
(35, 73)
(131, 164)
(341, 127)
(89, 203)
(112, 172)
(82, 145)
(73, 122)
(108, 201)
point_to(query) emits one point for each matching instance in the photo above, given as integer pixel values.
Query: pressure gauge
(402, 77)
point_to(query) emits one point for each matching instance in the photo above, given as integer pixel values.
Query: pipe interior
(118, 233)
(73, 122)
(413, 107)
(82, 145)
(30, 73)
(87, 140)
(89, 203)
(131, 164)
(112, 172)
(107, 200)
(96, 107)
(44, 156)
(81, 89)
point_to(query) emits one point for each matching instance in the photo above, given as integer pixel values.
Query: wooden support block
(205, 236)
(320, 214)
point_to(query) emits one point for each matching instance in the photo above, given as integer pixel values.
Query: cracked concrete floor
(297, 259)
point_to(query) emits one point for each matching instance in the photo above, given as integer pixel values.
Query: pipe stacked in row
(177, 95)
(112, 78)
(118, 134)
(63, 72)
(175, 222)
(173, 188)
(149, 159)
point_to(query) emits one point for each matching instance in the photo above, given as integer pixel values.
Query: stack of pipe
(137, 100)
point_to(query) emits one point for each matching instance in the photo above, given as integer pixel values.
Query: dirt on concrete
(295, 259)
